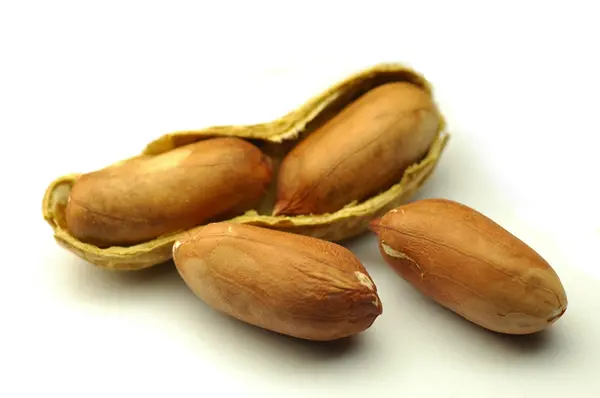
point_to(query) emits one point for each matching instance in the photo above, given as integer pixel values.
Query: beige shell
(275, 138)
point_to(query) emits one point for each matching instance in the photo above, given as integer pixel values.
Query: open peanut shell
(275, 138)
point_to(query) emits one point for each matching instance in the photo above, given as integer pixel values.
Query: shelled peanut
(287, 283)
(469, 264)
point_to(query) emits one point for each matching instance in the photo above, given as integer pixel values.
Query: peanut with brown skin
(471, 265)
(147, 197)
(362, 151)
(287, 283)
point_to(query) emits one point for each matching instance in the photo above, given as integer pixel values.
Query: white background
(83, 84)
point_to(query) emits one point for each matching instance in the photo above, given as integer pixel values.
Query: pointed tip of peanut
(375, 225)
(557, 314)
(278, 209)
(283, 208)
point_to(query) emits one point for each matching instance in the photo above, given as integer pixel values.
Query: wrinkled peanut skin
(471, 265)
(145, 198)
(287, 283)
(362, 151)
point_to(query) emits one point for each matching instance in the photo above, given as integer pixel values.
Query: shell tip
(175, 247)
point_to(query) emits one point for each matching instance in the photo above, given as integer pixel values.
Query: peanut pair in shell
(276, 139)
(469, 264)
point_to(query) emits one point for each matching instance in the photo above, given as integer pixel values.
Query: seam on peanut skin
(559, 302)
(550, 318)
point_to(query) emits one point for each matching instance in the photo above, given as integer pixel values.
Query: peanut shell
(274, 138)
(469, 264)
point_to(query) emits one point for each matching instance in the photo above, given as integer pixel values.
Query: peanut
(290, 284)
(471, 265)
(144, 198)
(363, 150)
